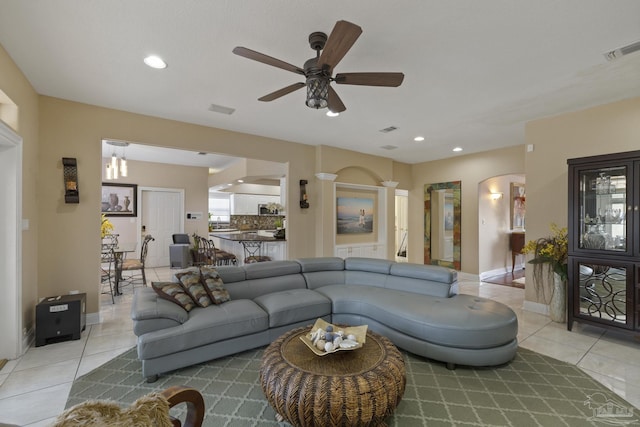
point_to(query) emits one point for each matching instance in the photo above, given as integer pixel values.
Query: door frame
(11, 246)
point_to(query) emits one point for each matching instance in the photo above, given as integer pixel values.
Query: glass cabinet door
(602, 213)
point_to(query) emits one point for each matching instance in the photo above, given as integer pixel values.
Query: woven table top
(347, 388)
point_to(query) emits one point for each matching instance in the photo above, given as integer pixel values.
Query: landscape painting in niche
(119, 199)
(354, 215)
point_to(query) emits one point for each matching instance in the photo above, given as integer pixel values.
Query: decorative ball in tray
(325, 338)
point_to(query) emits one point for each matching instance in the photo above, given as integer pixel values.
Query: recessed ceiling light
(241, 180)
(332, 114)
(418, 138)
(154, 61)
(457, 149)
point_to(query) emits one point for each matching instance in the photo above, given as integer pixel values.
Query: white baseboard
(93, 318)
(28, 340)
(500, 271)
(536, 307)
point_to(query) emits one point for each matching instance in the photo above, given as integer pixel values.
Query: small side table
(517, 243)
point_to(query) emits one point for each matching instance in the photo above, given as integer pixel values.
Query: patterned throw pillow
(214, 286)
(173, 292)
(191, 283)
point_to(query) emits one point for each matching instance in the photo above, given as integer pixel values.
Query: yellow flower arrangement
(550, 250)
(106, 227)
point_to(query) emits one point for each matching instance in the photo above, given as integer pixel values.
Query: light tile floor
(34, 388)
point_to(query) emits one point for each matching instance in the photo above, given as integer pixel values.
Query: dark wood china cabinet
(604, 241)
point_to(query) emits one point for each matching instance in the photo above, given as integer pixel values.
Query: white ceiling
(475, 71)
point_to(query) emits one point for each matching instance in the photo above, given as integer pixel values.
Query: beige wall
(494, 225)
(193, 180)
(604, 129)
(14, 84)
(470, 170)
(69, 129)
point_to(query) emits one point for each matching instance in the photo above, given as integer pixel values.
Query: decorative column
(325, 227)
(390, 237)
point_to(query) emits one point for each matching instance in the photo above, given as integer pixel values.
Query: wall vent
(389, 129)
(622, 51)
(389, 147)
(221, 109)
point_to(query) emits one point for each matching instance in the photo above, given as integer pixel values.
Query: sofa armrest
(149, 312)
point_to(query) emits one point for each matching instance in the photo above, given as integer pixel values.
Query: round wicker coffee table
(347, 388)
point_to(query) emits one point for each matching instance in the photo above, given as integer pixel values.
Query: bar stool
(252, 252)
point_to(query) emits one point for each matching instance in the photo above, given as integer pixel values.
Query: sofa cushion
(262, 270)
(149, 312)
(463, 321)
(192, 284)
(174, 292)
(295, 305)
(373, 265)
(214, 285)
(205, 326)
(309, 265)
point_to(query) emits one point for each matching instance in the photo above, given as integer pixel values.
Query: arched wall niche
(358, 175)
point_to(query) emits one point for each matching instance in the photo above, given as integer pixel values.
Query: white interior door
(162, 212)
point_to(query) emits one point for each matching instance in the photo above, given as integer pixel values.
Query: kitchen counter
(248, 236)
(248, 242)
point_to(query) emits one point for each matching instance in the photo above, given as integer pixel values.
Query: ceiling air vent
(389, 129)
(622, 51)
(389, 147)
(221, 109)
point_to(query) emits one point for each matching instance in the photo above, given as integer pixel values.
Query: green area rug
(532, 390)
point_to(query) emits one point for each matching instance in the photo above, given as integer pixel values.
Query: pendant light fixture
(118, 165)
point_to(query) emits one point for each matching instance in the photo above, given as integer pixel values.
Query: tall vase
(558, 304)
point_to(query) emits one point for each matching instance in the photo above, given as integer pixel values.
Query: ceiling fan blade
(266, 59)
(281, 92)
(370, 79)
(342, 37)
(335, 103)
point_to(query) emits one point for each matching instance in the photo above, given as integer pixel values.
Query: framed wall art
(354, 215)
(119, 199)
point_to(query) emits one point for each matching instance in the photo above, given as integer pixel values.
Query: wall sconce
(495, 195)
(70, 174)
(304, 202)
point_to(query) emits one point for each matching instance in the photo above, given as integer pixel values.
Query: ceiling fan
(318, 71)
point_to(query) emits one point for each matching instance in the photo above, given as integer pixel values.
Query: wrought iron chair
(135, 266)
(107, 263)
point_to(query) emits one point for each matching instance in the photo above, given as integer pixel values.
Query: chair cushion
(192, 284)
(131, 264)
(174, 292)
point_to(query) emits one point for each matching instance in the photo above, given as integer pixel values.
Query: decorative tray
(351, 337)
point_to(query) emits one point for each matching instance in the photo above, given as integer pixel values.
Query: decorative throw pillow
(214, 286)
(173, 292)
(191, 283)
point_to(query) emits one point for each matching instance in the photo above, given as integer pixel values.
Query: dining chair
(135, 266)
(107, 263)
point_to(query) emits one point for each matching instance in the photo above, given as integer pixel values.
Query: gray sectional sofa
(416, 306)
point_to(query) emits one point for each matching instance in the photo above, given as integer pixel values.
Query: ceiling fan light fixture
(332, 114)
(317, 92)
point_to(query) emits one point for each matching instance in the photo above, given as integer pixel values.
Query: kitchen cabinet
(366, 250)
(604, 241)
(247, 204)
